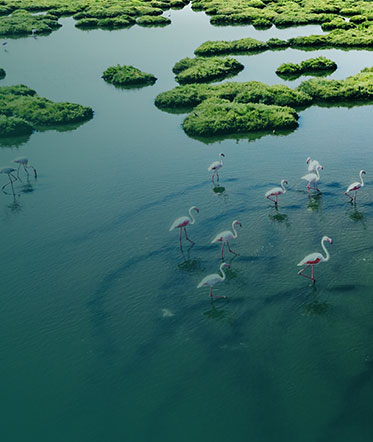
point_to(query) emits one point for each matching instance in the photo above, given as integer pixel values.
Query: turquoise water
(105, 336)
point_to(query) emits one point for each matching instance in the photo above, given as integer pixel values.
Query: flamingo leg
(10, 181)
(186, 236)
(222, 250)
(35, 173)
(25, 168)
(230, 249)
(300, 273)
(180, 236)
(217, 176)
(18, 171)
(271, 199)
(355, 197)
(212, 176)
(349, 196)
(212, 296)
(276, 200)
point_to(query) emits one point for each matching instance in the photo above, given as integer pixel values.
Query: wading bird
(313, 177)
(312, 164)
(276, 191)
(214, 278)
(182, 222)
(226, 236)
(315, 258)
(8, 171)
(24, 162)
(215, 166)
(355, 186)
(34, 31)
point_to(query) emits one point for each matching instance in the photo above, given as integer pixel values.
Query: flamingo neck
(326, 252)
(361, 179)
(283, 187)
(235, 234)
(222, 271)
(191, 215)
(221, 159)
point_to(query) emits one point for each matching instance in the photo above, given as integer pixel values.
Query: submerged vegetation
(200, 69)
(127, 76)
(2, 73)
(22, 110)
(309, 66)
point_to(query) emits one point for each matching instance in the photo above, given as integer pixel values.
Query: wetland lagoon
(104, 334)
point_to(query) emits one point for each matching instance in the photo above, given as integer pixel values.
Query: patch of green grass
(218, 116)
(127, 76)
(22, 23)
(21, 104)
(310, 66)
(358, 37)
(200, 69)
(13, 126)
(150, 20)
(2, 73)
(243, 45)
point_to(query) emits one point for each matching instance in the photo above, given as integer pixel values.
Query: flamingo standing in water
(182, 222)
(8, 171)
(355, 186)
(276, 191)
(215, 166)
(315, 258)
(226, 236)
(214, 278)
(24, 162)
(312, 164)
(313, 177)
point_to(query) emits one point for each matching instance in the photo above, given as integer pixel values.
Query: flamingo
(226, 236)
(24, 162)
(215, 166)
(315, 258)
(276, 191)
(313, 177)
(312, 164)
(182, 222)
(8, 171)
(355, 186)
(214, 278)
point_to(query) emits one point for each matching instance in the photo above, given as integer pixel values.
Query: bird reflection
(15, 206)
(220, 314)
(279, 217)
(314, 202)
(218, 189)
(356, 215)
(315, 307)
(188, 264)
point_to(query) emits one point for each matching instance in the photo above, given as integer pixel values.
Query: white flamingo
(315, 258)
(24, 162)
(215, 166)
(226, 236)
(312, 164)
(313, 177)
(276, 191)
(182, 222)
(214, 278)
(8, 171)
(355, 186)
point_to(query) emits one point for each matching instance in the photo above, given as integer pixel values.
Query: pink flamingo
(276, 191)
(214, 278)
(355, 186)
(315, 258)
(182, 222)
(312, 164)
(226, 236)
(24, 162)
(215, 166)
(313, 177)
(8, 171)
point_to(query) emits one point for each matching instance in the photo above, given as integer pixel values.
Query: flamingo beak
(227, 265)
(197, 210)
(330, 240)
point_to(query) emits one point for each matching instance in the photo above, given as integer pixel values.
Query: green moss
(312, 65)
(149, 20)
(357, 37)
(218, 116)
(243, 45)
(127, 76)
(2, 73)
(199, 69)
(25, 110)
(22, 23)
(337, 23)
(13, 126)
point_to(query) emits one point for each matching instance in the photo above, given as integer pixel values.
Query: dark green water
(104, 335)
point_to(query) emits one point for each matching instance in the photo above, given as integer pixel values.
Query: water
(104, 333)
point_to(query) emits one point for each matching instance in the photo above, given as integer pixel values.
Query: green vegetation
(200, 69)
(361, 37)
(310, 66)
(218, 116)
(150, 20)
(127, 76)
(2, 73)
(232, 47)
(22, 23)
(22, 110)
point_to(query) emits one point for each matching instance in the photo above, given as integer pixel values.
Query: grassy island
(311, 66)
(22, 110)
(22, 23)
(243, 45)
(127, 76)
(153, 20)
(200, 69)
(2, 73)
(218, 116)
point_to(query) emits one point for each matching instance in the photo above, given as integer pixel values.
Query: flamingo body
(312, 164)
(354, 187)
(183, 221)
(276, 191)
(213, 279)
(23, 161)
(313, 177)
(8, 171)
(315, 258)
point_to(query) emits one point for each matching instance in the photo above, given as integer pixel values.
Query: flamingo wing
(210, 280)
(312, 258)
(274, 191)
(310, 177)
(180, 222)
(223, 236)
(312, 165)
(353, 186)
(214, 165)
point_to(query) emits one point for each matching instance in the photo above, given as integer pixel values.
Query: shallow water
(104, 333)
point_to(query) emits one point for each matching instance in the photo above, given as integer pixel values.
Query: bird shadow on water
(313, 306)
(189, 264)
(356, 215)
(219, 313)
(315, 202)
(278, 217)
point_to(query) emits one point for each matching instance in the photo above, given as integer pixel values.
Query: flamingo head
(308, 160)
(329, 239)
(320, 167)
(221, 154)
(237, 222)
(363, 172)
(195, 208)
(284, 182)
(225, 265)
